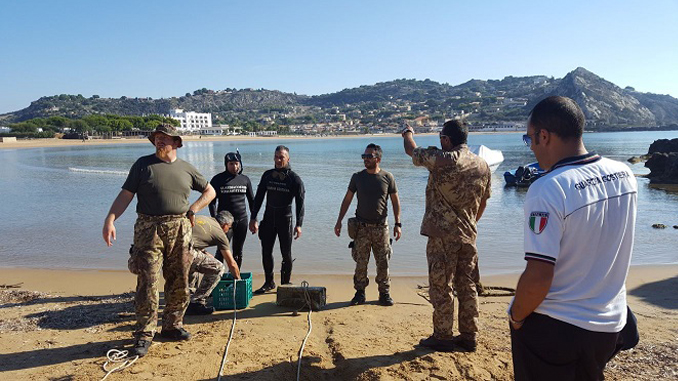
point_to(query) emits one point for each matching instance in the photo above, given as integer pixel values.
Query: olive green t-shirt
(373, 191)
(163, 188)
(207, 232)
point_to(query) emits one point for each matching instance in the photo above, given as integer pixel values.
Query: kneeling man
(208, 232)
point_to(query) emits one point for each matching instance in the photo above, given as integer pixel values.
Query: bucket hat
(168, 130)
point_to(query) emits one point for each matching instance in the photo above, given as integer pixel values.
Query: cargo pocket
(132, 264)
(352, 227)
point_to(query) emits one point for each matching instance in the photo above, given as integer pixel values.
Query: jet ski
(524, 176)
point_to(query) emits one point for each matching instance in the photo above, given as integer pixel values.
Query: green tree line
(91, 123)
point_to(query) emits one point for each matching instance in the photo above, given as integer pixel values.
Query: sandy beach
(38, 143)
(60, 323)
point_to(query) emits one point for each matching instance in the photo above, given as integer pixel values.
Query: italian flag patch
(538, 221)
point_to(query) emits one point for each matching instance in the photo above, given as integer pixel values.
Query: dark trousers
(549, 349)
(276, 225)
(236, 235)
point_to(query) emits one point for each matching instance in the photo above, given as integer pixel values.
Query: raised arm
(117, 209)
(408, 140)
(345, 204)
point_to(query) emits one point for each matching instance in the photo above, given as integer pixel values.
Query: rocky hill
(605, 104)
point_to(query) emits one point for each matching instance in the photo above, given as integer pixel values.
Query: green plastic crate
(222, 296)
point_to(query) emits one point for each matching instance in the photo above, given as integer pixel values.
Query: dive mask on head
(233, 156)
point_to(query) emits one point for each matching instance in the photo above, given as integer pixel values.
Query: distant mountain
(605, 104)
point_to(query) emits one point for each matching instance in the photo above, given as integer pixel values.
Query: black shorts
(549, 349)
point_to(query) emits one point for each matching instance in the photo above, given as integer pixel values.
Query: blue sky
(168, 48)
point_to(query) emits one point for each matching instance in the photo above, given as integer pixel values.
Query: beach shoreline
(54, 142)
(68, 319)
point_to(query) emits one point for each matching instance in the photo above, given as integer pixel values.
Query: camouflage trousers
(373, 238)
(211, 269)
(161, 243)
(452, 263)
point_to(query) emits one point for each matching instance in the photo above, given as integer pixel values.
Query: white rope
(307, 297)
(117, 356)
(230, 336)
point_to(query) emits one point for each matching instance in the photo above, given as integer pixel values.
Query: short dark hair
(224, 218)
(282, 148)
(376, 148)
(559, 115)
(457, 131)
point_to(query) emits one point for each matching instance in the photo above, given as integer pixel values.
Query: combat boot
(385, 299)
(199, 309)
(176, 334)
(463, 344)
(141, 346)
(358, 298)
(440, 345)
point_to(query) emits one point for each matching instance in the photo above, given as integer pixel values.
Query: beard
(163, 150)
(370, 165)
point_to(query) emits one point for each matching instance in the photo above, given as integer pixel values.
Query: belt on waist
(372, 223)
(166, 217)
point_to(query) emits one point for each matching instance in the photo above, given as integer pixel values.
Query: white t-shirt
(581, 217)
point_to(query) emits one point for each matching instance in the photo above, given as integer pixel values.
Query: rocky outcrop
(603, 102)
(663, 162)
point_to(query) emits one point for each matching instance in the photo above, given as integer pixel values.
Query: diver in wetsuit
(281, 185)
(233, 189)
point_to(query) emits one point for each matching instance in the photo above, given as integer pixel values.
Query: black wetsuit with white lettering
(281, 187)
(232, 192)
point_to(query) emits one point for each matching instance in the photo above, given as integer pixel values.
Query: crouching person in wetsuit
(208, 232)
(233, 189)
(280, 185)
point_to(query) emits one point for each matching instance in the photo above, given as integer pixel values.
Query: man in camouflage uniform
(208, 232)
(374, 186)
(456, 195)
(162, 233)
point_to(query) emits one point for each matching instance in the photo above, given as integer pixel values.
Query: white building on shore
(191, 122)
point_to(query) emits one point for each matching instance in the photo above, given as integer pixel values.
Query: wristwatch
(398, 225)
(190, 213)
(513, 321)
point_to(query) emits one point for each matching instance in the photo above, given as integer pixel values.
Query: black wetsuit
(280, 186)
(232, 190)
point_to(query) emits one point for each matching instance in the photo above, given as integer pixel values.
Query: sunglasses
(527, 139)
(368, 156)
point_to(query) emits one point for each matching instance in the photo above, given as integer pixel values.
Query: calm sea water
(54, 201)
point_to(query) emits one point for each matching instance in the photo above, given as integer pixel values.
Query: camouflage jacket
(457, 183)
